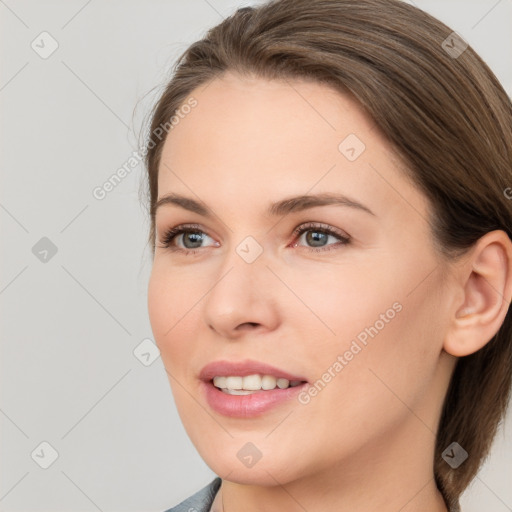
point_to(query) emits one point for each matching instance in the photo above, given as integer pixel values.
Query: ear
(486, 281)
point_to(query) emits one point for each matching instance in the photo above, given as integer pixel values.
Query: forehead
(273, 112)
(258, 138)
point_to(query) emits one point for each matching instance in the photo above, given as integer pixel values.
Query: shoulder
(201, 501)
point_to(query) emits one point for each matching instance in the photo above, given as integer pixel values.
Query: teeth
(282, 383)
(268, 382)
(237, 385)
(250, 382)
(234, 382)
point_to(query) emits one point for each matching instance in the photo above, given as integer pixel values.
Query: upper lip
(243, 368)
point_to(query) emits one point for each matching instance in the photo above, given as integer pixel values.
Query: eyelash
(172, 233)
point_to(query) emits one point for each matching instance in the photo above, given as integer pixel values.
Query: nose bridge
(241, 294)
(246, 261)
(241, 273)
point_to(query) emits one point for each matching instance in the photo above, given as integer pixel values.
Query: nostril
(248, 324)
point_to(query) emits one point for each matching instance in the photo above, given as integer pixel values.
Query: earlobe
(486, 279)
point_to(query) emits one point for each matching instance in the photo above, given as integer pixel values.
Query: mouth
(248, 388)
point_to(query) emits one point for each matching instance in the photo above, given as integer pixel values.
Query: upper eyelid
(320, 226)
(304, 225)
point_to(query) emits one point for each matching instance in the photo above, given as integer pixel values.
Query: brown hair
(446, 116)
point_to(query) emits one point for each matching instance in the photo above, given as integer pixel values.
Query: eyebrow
(283, 207)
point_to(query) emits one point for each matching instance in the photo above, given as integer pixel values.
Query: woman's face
(361, 321)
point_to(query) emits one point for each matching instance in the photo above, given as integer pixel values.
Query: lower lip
(248, 406)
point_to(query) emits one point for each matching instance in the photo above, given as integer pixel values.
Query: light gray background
(69, 326)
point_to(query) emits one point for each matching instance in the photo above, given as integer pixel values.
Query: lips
(251, 405)
(244, 368)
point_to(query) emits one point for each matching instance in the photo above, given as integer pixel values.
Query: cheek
(333, 305)
(385, 330)
(374, 393)
(171, 312)
(391, 374)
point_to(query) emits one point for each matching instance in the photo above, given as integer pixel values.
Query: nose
(242, 298)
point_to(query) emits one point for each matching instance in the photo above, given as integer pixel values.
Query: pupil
(190, 237)
(318, 237)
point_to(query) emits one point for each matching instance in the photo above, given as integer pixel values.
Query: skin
(366, 441)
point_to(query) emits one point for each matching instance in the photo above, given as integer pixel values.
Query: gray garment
(201, 501)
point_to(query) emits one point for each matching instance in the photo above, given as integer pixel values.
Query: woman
(332, 270)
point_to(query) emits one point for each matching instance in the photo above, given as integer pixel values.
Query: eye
(191, 237)
(318, 235)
